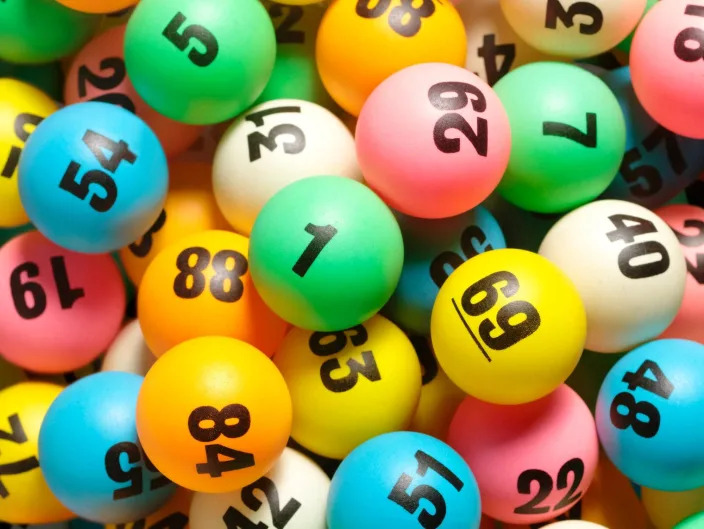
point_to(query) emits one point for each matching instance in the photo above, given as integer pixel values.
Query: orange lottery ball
(190, 208)
(98, 6)
(362, 42)
(201, 286)
(213, 414)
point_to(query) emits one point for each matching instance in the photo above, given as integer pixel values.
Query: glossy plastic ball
(98, 6)
(657, 163)
(409, 147)
(93, 177)
(338, 379)
(666, 508)
(190, 208)
(296, 490)
(627, 266)
(568, 136)
(644, 404)
(666, 64)
(360, 43)
(384, 481)
(91, 455)
(688, 224)
(98, 73)
(188, 429)
(37, 31)
(275, 144)
(26, 497)
(571, 27)
(201, 286)
(554, 451)
(128, 352)
(331, 264)
(22, 108)
(199, 62)
(433, 249)
(514, 321)
(60, 309)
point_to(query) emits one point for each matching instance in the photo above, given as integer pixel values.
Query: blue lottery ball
(657, 163)
(403, 480)
(648, 415)
(433, 249)
(93, 177)
(90, 453)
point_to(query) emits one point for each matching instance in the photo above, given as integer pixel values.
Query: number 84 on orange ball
(508, 327)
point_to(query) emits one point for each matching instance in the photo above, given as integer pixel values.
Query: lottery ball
(128, 352)
(439, 397)
(26, 497)
(693, 522)
(687, 222)
(201, 286)
(381, 483)
(62, 308)
(625, 45)
(562, 155)
(665, 60)
(361, 43)
(22, 108)
(174, 513)
(98, 73)
(573, 28)
(574, 524)
(190, 208)
(493, 47)
(93, 177)
(36, 31)
(193, 440)
(657, 163)
(101, 6)
(666, 508)
(513, 320)
(404, 149)
(433, 248)
(331, 264)
(627, 266)
(552, 442)
(91, 455)
(250, 166)
(644, 403)
(337, 380)
(295, 74)
(296, 490)
(199, 62)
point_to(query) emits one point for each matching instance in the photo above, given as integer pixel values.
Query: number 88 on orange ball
(214, 414)
(508, 327)
(201, 286)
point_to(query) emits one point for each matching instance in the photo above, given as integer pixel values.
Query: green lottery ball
(295, 74)
(199, 61)
(325, 253)
(37, 31)
(568, 135)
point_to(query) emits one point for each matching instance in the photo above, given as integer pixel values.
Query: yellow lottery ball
(25, 497)
(190, 208)
(349, 386)
(201, 286)
(362, 42)
(666, 509)
(439, 397)
(508, 327)
(22, 108)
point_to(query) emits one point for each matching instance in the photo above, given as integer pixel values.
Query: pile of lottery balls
(352, 264)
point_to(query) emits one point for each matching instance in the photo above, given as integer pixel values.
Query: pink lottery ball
(532, 461)
(98, 73)
(688, 224)
(433, 140)
(667, 69)
(62, 308)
